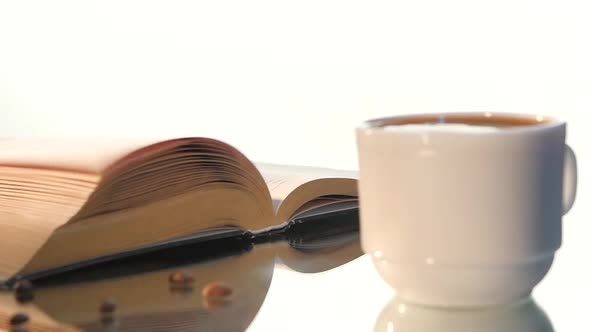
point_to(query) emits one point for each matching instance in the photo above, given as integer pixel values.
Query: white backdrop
(287, 81)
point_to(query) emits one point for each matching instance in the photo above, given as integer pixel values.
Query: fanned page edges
(75, 155)
(170, 168)
(132, 186)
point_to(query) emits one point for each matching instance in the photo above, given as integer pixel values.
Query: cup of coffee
(464, 209)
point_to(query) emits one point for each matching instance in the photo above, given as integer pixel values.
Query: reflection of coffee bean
(181, 278)
(23, 291)
(23, 328)
(107, 319)
(19, 320)
(107, 306)
(181, 282)
(216, 290)
(212, 304)
(24, 298)
(181, 289)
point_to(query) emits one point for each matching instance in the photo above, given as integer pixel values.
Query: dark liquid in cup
(487, 120)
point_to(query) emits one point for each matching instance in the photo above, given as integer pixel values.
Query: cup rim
(543, 121)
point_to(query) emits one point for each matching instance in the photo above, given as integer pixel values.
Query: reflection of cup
(523, 316)
(464, 209)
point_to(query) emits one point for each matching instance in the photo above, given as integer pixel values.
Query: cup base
(468, 286)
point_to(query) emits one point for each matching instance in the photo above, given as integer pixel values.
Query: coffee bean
(181, 278)
(107, 306)
(216, 290)
(19, 319)
(23, 286)
(23, 291)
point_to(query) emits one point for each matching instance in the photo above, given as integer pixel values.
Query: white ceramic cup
(456, 215)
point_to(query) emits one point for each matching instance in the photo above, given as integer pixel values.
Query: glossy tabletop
(278, 288)
(352, 297)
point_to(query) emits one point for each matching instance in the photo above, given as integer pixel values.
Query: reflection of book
(66, 201)
(38, 319)
(147, 302)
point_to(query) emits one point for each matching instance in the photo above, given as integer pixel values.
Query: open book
(68, 201)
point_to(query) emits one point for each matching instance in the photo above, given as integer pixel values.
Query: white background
(287, 81)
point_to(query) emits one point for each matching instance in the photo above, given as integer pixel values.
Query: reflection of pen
(326, 230)
(315, 232)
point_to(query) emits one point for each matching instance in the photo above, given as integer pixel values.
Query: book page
(85, 155)
(284, 179)
(95, 155)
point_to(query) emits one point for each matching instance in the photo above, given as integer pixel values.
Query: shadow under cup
(464, 209)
